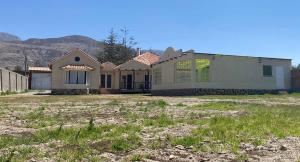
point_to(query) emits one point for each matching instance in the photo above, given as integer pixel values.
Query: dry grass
(131, 127)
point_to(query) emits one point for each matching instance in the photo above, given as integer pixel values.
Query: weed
(157, 103)
(91, 124)
(113, 103)
(180, 105)
(218, 106)
(161, 121)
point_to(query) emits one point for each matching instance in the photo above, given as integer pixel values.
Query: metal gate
(41, 81)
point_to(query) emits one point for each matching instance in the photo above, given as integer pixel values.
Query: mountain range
(40, 51)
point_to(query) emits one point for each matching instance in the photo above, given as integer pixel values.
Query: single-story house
(79, 73)
(190, 73)
(40, 78)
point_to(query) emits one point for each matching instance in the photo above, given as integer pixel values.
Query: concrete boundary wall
(12, 82)
(296, 80)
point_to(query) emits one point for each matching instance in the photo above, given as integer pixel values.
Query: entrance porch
(134, 81)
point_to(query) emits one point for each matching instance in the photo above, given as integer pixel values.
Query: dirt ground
(19, 117)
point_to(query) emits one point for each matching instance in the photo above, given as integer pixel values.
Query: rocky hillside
(8, 37)
(41, 51)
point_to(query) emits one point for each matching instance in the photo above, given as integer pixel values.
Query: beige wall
(5, 80)
(226, 72)
(19, 83)
(11, 81)
(59, 75)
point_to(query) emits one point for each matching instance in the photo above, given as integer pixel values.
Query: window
(102, 81)
(267, 70)
(73, 77)
(76, 77)
(105, 81)
(81, 77)
(202, 70)
(183, 71)
(157, 76)
(77, 59)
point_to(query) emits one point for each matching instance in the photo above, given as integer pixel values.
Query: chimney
(138, 51)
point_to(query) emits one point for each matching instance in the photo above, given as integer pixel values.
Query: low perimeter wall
(12, 82)
(199, 92)
(296, 80)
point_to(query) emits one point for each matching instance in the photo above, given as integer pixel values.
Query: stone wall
(199, 92)
(12, 82)
(74, 91)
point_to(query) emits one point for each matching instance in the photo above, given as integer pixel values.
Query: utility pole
(25, 62)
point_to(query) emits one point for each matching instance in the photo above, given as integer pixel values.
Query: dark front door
(147, 81)
(129, 81)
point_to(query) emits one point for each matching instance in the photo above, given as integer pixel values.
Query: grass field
(145, 128)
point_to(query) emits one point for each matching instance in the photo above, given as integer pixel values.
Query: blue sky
(269, 28)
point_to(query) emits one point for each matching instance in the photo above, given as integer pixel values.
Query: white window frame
(67, 78)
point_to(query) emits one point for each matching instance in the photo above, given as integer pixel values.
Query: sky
(264, 28)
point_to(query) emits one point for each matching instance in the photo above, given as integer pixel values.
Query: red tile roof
(108, 66)
(77, 67)
(39, 69)
(147, 58)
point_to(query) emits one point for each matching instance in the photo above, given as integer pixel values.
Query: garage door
(41, 81)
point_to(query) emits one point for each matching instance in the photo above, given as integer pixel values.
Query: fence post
(16, 82)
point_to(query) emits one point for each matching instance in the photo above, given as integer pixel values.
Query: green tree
(296, 67)
(117, 51)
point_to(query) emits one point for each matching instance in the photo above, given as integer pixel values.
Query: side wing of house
(207, 71)
(75, 73)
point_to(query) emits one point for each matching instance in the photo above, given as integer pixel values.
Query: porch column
(120, 79)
